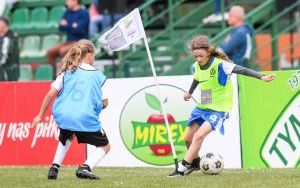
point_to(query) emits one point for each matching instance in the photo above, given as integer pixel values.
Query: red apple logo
(153, 102)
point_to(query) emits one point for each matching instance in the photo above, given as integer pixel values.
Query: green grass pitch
(11, 177)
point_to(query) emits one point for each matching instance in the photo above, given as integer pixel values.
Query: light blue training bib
(79, 102)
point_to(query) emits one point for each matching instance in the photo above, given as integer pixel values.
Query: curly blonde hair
(75, 55)
(202, 42)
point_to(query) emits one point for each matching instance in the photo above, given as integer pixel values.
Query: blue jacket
(81, 17)
(238, 44)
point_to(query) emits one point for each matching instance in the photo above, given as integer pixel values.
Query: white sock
(95, 157)
(61, 152)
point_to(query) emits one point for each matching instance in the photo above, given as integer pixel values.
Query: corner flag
(125, 32)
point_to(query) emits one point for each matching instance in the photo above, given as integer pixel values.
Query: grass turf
(11, 177)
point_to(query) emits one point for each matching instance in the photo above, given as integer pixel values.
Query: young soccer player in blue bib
(77, 107)
(212, 71)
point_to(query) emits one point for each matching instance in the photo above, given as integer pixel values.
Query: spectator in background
(237, 45)
(9, 52)
(75, 23)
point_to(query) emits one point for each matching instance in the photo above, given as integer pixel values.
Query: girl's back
(79, 102)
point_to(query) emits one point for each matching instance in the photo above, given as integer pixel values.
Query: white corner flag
(126, 31)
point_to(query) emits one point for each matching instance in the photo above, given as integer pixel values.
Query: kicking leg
(190, 133)
(198, 138)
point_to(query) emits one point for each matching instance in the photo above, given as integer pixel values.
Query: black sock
(196, 162)
(185, 163)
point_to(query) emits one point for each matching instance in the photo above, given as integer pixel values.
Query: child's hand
(268, 78)
(187, 96)
(35, 121)
(104, 103)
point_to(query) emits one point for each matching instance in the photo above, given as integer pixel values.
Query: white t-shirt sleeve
(59, 82)
(104, 91)
(228, 67)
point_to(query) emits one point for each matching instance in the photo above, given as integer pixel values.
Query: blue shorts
(214, 118)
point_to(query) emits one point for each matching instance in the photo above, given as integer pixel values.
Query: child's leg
(198, 138)
(65, 140)
(190, 133)
(96, 156)
(101, 142)
(61, 152)
(64, 144)
(188, 140)
(187, 166)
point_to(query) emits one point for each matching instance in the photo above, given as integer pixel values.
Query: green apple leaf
(152, 101)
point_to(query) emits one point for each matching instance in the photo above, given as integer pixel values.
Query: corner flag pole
(160, 100)
(125, 32)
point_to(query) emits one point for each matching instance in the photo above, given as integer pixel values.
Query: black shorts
(97, 139)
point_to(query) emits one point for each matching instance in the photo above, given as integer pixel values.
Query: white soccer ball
(211, 163)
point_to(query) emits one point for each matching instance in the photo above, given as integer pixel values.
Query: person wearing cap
(212, 71)
(9, 52)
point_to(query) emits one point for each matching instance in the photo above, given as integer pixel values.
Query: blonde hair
(202, 42)
(75, 55)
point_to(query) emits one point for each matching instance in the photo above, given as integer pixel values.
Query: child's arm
(104, 95)
(188, 95)
(252, 73)
(47, 100)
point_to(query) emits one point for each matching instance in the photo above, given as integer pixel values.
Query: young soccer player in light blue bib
(77, 107)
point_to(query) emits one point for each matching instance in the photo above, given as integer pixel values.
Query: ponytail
(217, 53)
(75, 55)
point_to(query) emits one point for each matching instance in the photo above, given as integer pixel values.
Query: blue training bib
(79, 103)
